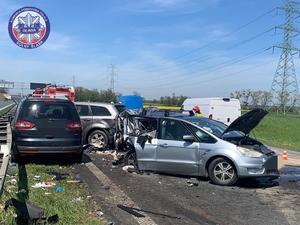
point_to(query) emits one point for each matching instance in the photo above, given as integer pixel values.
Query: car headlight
(249, 153)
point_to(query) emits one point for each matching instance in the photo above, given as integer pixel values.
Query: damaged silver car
(195, 146)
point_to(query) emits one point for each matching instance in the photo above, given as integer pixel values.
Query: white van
(225, 110)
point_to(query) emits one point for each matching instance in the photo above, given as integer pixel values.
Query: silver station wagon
(197, 146)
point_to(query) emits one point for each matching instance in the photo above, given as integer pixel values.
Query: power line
(224, 36)
(200, 82)
(202, 59)
(228, 34)
(184, 80)
(212, 69)
(208, 70)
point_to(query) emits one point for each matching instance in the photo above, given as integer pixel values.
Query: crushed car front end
(253, 163)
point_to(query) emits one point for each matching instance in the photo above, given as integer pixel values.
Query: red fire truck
(55, 91)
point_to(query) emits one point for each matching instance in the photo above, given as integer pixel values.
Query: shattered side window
(139, 125)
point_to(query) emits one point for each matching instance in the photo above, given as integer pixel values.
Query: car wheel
(98, 139)
(222, 172)
(130, 159)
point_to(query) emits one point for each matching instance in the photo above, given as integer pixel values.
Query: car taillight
(74, 126)
(24, 125)
(210, 116)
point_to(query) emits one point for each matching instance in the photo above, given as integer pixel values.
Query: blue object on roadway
(58, 189)
(132, 101)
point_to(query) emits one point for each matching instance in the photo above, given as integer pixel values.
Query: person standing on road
(197, 111)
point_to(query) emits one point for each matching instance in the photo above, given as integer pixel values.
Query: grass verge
(280, 131)
(73, 205)
(6, 109)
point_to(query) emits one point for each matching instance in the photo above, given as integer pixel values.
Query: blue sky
(150, 42)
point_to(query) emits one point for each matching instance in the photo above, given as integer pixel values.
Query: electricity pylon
(284, 86)
(113, 75)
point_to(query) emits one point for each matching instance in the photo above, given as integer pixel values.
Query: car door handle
(164, 145)
(87, 120)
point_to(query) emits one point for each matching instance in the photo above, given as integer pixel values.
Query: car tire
(130, 159)
(98, 139)
(221, 171)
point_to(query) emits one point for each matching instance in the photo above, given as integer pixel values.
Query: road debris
(76, 199)
(192, 182)
(107, 153)
(135, 212)
(78, 179)
(118, 161)
(44, 185)
(126, 168)
(30, 213)
(130, 210)
(21, 191)
(12, 181)
(9, 174)
(99, 213)
(110, 223)
(59, 176)
(37, 177)
(58, 189)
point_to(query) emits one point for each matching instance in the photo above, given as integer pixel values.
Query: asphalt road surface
(171, 200)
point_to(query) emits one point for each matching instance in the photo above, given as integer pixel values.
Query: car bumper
(49, 150)
(266, 166)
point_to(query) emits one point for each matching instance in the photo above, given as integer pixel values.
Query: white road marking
(118, 193)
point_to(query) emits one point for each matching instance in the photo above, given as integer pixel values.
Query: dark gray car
(46, 125)
(98, 121)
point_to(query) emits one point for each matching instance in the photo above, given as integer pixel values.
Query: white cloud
(163, 77)
(168, 3)
(189, 43)
(29, 70)
(158, 6)
(58, 42)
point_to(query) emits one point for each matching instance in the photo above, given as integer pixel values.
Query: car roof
(35, 99)
(97, 103)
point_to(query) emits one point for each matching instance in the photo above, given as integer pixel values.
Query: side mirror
(189, 138)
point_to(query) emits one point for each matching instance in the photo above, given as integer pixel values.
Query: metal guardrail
(5, 147)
